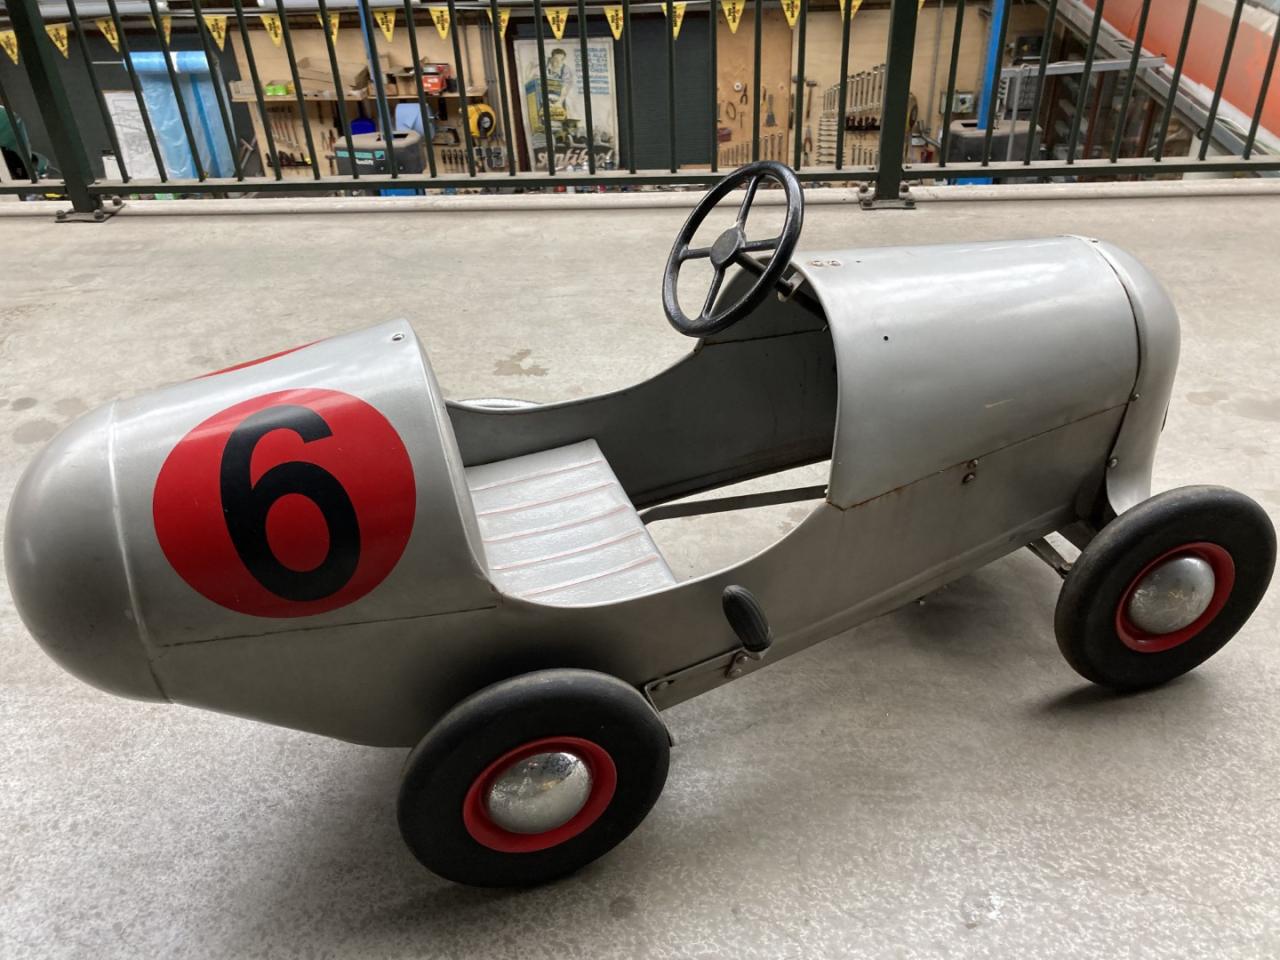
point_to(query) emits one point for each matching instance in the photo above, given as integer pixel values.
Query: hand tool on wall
(808, 125)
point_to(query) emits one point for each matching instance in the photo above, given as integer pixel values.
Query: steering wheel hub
(733, 248)
(727, 246)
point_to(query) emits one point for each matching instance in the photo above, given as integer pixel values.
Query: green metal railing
(1107, 89)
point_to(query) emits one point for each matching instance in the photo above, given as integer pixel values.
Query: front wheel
(532, 778)
(1164, 586)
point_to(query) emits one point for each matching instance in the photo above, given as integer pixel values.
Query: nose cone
(65, 564)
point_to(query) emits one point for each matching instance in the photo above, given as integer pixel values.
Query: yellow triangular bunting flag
(920, 7)
(271, 24)
(504, 17)
(558, 17)
(855, 5)
(58, 34)
(733, 12)
(108, 30)
(387, 22)
(678, 19)
(216, 23)
(9, 40)
(440, 17)
(335, 20)
(166, 24)
(613, 14)
(792, 10)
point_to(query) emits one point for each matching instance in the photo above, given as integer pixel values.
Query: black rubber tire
(500, 718)
(1085, 617)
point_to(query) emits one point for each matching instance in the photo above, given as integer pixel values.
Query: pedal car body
(1010, 364)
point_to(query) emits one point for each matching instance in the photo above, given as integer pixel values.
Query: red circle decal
(290, 504)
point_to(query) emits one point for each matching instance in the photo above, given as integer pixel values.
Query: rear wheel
(1164, 586)
(532, 778)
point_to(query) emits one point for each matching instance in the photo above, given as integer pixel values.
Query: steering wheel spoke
(747, 201)
(761, 246)
(712, 293)
(694, 253)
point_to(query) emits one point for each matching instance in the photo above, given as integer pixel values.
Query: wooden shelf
(473, 93)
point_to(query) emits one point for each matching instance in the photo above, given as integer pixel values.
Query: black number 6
(245, 505)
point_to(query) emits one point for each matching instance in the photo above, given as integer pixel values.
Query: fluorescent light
(95, 8)
(310, 5)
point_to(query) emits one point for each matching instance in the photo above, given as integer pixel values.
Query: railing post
(37, 53)
(897, 97)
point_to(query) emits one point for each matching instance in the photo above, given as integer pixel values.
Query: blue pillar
(991, 79)
(995, 56)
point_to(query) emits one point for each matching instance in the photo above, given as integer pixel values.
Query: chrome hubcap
(1172, 596)
(539, 793)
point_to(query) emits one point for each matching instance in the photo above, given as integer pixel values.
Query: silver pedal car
(320, 540)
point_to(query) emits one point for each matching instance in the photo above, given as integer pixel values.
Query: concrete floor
(937, 783)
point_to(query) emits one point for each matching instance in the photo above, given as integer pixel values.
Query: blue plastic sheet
(195, 83)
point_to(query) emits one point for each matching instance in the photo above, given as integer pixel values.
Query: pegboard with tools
(861, 123)
(323, 89)
(864, 97)
(735, 103)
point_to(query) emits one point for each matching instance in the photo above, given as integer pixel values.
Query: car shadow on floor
(970, 673)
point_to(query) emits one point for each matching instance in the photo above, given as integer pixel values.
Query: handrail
(538, 103)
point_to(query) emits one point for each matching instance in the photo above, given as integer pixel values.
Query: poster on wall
(566, 97)
(135, 148)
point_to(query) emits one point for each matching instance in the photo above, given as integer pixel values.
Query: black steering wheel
(732, 247)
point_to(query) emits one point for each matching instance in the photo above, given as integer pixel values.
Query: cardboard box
(315, 70)
(317, 77)
(399, 81)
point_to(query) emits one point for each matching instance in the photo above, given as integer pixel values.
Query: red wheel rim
(604, 780)
(1224, 574)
